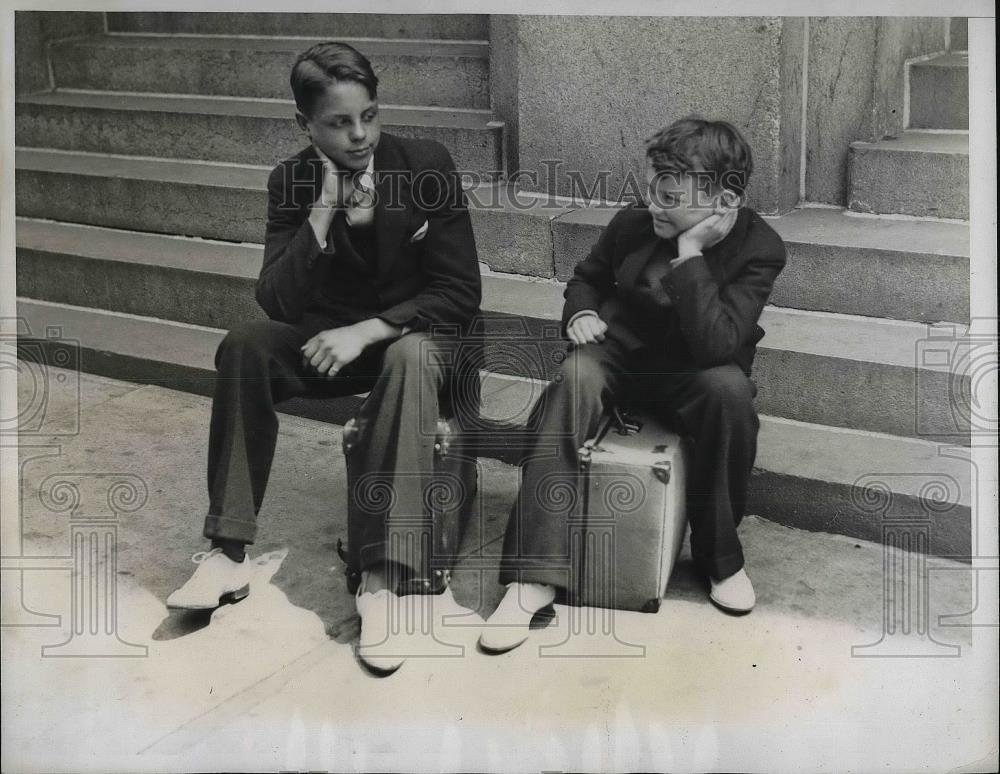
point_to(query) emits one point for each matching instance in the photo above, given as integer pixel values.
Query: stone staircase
(141, 193)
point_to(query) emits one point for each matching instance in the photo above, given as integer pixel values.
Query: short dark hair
(693, 142)
(314, 70)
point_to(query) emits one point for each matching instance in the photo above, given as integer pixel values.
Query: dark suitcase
(629, 523)
(435, 530)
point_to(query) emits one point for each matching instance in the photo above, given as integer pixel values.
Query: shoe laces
(202, 556)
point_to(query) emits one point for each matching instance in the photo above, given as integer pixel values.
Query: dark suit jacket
(412, 283)
(704, 312)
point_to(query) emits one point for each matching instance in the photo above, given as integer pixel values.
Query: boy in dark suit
(368, 244)
(664, 309)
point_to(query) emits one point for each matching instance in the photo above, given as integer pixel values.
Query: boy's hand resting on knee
(586, 329)
(329, 351)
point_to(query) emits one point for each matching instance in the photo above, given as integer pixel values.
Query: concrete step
(873, 267)
(806, 475)
(456, 26)
(240, 131)
(212, 200)
(837, 262)
(430, 73)
(925, 174)
(836, 370)
(939, 92)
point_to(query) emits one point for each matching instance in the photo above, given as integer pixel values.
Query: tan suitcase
(629, 525)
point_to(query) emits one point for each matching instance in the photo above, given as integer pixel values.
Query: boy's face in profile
(344, 124)
(680, 200)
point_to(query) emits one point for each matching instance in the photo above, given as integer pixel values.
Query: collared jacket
(424, 270)
(702, 313)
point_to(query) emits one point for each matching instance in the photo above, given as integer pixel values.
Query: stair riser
(214, 300)
(231, 214)
(333, 25)
(939, 98)
(922, 287)
(796, 502)
(235, 139)
(403, 80)
(909, 183)
(874, 283)
(823, 506)
(809, 388)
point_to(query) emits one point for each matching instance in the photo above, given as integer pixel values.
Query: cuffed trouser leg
(259, 364)
(537, 544)
(395, 455)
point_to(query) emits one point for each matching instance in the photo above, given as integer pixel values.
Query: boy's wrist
(376, 329)
(581, 313)
(687, 248)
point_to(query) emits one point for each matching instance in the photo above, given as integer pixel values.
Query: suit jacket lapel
(636, 259)
(392, 188)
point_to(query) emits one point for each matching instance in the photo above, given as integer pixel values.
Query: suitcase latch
(662, 471)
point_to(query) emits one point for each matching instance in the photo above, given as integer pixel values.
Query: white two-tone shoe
(378, 646)
(217, 579)
(734, 594)
(509, 626)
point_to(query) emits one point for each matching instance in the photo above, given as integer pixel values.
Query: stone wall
(587, 90)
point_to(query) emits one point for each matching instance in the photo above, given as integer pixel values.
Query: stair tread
(949, 59)
(478, 49)
(950, 142)
(187, 171)
(824, 334)
(837, 227)
(148, 249)
(452, 26)
(786, 447)
(251, 107)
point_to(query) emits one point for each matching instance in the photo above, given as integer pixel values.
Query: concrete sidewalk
(272, 681)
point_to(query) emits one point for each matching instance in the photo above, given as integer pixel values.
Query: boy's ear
(730, 200)
(302, 121)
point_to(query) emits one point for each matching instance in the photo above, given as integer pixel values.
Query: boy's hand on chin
(708, 232)
(331, 350)
(335, 185)
(587, 329)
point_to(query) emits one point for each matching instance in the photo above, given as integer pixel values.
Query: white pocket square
(420, 233)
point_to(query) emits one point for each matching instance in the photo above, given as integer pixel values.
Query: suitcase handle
(627, 425)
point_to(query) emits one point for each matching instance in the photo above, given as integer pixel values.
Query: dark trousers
(259, 364)
(713, 406)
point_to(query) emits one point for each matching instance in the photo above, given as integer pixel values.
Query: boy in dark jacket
(368, 244)
(665, 309)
